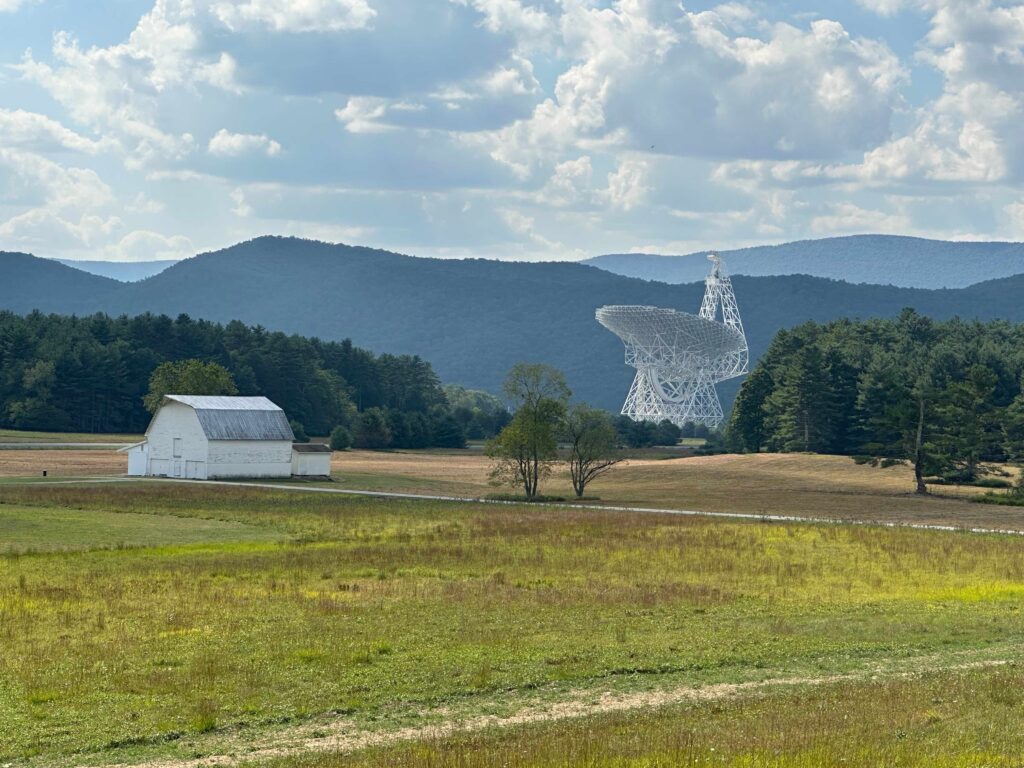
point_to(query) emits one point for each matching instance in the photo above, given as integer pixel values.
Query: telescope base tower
(681, 400)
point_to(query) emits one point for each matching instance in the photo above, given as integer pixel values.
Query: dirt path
(343, 736)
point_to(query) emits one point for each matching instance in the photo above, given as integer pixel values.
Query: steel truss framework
(679, 357)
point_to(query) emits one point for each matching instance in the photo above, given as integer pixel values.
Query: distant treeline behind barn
(90, 374)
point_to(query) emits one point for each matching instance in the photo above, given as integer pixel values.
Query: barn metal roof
(311, 448)
(238, 418)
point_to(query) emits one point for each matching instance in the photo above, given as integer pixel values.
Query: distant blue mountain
(473, 319)
(906, 262)
(123, 271)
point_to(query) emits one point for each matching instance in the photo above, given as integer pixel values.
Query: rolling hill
(908, 262)
(472, 319)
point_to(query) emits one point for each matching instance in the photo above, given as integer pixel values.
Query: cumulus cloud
(970, 133)
(116, 90)
(627, 185)
(32, 130)
(530, 26)
(569, 182)
(363, 114)
(847, 218)
(144, 245)
(290, 16)
(33, 179)
(1015, 212)
(10, 6)
(44, 228)
(227, 144)
(707, 84)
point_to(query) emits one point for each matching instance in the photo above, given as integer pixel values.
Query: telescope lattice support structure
(679, 357)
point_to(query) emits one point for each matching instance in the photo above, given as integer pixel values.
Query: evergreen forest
(90, 374)
(945, 397)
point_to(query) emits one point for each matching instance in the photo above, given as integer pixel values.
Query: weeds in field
(362, 606)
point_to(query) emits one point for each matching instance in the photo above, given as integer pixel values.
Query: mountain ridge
(907, 262)
(472, 319)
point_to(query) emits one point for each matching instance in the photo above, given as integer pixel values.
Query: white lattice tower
(719, 295)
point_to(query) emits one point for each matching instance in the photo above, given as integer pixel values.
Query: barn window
(177, 447)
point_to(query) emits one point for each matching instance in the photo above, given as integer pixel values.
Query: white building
(203, 437)
(311, 460)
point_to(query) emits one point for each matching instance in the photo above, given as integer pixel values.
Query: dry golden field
(801, 485)
(67, 462)
(772, 484)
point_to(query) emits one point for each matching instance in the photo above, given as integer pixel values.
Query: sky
(515, 129)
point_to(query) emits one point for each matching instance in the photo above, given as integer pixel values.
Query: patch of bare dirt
(342, 736)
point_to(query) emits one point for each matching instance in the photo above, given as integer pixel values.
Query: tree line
(945, 397)
(91, 374)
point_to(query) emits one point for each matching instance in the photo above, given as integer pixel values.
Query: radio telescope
(680, 357)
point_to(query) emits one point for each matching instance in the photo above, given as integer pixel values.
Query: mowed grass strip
(379, 609)
(27, 530)
(948, 720)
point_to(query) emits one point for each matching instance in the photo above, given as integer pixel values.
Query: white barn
(206, 437)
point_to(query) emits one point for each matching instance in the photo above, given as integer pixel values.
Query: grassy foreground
(385, 613)
(956, 720)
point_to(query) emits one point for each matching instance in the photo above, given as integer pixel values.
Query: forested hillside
(946, 396)
(908, 262)
(90, 375)
(471, 319)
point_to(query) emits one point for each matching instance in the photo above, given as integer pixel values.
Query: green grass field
(957, 720)
(244, 617)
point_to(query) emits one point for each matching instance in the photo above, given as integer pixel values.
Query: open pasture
(62, 462)
(802, 485)
(962, 719)
(320, 611)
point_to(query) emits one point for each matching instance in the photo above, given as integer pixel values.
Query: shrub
(372, 430)
(299, 431)
(341, 439)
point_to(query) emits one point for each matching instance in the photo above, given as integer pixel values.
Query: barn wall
(171, 421)
(138, 460)
(249, 458)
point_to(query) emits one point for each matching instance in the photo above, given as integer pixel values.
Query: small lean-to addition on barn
(205, 437)
(311, 460)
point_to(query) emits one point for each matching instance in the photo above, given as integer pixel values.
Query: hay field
(62, 462)
(778, 484)
(305, 615)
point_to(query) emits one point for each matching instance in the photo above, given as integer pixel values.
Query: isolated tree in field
(525, 449)
(188, 377)
(372, 430)
(593, 445)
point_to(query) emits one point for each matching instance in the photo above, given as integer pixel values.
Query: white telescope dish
(680, 357)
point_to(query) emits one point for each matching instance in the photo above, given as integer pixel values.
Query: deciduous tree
(593, 445)
(188, 377)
